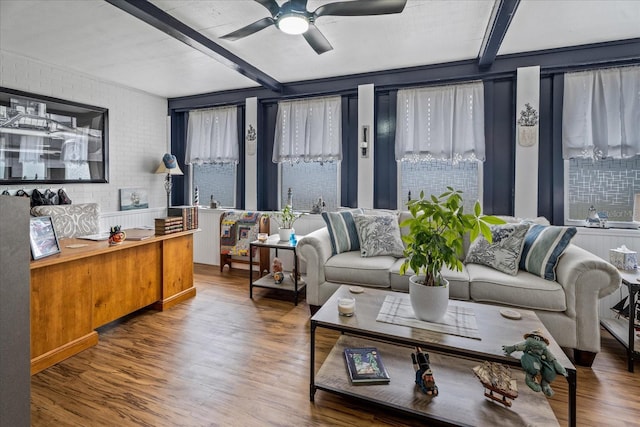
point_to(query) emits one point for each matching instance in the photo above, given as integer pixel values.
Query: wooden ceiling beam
(166, 23)
(501, 17)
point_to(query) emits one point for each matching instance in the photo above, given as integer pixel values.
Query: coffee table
(461, 400)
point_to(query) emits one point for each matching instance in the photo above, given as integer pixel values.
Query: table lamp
(169, 166)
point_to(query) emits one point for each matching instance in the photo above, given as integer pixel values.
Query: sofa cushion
(352, 269)
(379, 235)
(71, 220)
(524, 290)
(503, 253)
(543, 246)
(342, 230)
(458, 280)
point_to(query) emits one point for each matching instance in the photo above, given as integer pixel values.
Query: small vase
(117, 237)
(527, 135)
(285, 234)
(429, 302)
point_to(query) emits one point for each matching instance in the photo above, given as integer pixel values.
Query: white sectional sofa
(568, 306)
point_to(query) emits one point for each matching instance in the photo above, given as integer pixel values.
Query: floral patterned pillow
(379, 235)
(503, 254)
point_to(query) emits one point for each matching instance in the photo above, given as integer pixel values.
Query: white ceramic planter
(527, 135)
(285, 234)
(429, 302)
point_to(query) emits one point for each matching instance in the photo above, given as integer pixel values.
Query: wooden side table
(623, 330)
(292, 282)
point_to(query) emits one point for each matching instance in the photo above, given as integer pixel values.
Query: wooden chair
(237, 230)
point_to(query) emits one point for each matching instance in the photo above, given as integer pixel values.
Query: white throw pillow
(503, 253)
(379, 235)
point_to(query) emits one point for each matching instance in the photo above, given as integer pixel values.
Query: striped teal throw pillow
(342, 230)
(543, 246)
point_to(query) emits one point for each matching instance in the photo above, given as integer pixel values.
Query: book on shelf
(365, 366)
(170, 220)
(168, 225)
(189, 215)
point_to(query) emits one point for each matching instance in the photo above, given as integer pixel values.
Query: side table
(292, 282)
(622, 329)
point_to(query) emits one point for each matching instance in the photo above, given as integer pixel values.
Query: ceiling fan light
(293, 24)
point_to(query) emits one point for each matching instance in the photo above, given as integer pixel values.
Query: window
(216, 181)
(435, 176)
(309, 182)
(601, 143)
(212, 151)
(308, 147)
(440, 141)
(609, 185)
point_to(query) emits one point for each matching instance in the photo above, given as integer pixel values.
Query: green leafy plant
(528, 116)
(437, 228)
(286, 217)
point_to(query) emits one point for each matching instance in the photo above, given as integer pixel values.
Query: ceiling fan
(294, 18)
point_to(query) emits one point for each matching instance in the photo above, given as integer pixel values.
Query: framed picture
(42, 237)
(50, 140)
(133, 198)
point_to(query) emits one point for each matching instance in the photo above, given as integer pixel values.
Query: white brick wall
(137, 127)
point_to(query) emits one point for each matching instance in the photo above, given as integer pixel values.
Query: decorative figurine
(496, 378)
(116, 235)
(537, 360)
(318, 207)
(424, 375)
(278, 274)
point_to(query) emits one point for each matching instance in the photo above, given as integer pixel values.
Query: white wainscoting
(207, 242)
(131, 219)
(599, 241)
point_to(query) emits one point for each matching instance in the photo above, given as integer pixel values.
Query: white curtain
(601, 113)
(212, 136)
(441, 123)
(309, 130)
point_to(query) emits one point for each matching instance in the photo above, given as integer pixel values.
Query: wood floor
(222, 359)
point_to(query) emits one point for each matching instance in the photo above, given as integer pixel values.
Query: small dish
(510, 314)
(356, 289)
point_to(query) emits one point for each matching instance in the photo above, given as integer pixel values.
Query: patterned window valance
(441, 123)
(309, 130)
(601, 113)
(212, 136)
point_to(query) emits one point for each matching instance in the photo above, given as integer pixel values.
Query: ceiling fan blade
(249, 29)
(271, 6)
(300, 5)
(316, 40)
(361, 7)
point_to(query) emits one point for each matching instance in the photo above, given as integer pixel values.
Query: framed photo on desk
(42, 237)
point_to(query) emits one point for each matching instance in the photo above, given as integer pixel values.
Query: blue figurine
(424, 374)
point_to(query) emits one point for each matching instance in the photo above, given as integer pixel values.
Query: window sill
(609, 232)
(618, 225)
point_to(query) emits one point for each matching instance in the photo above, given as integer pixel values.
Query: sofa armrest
(585, 278)
(315, 250)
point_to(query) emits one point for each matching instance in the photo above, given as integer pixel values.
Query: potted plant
(527, 126)
(437, 229)
(285, 219)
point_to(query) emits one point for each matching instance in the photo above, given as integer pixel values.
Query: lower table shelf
(457, 384)
(287, 284)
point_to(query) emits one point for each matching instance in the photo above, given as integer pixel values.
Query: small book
(365, 366)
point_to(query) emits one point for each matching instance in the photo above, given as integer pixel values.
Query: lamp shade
(169, 165)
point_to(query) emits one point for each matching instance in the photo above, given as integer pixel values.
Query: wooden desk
(81, 289)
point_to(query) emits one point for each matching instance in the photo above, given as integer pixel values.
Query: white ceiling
(98, 39)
